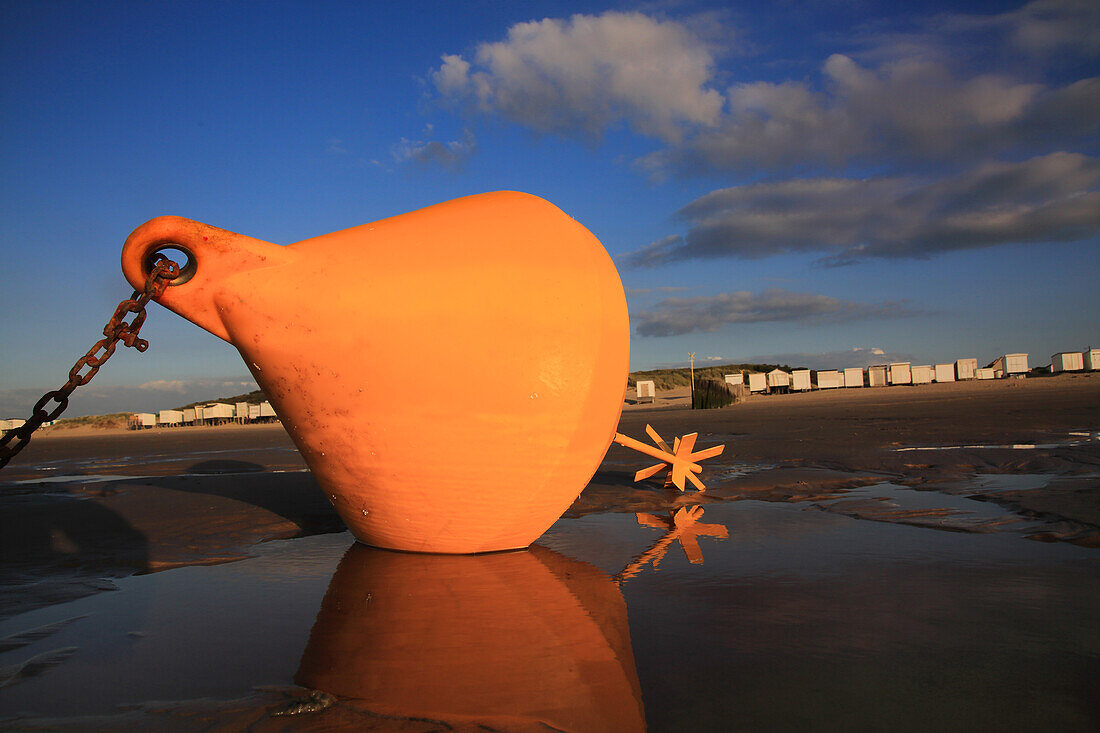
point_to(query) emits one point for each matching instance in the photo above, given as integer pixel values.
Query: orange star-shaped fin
(681, 463)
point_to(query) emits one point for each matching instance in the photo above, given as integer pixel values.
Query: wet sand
(82, 512)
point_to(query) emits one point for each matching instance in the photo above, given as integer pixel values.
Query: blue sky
(813, 183)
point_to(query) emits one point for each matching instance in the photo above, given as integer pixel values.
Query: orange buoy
(452, 376)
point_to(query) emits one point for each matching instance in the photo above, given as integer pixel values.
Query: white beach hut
(217, 413)
(984, 373)
(900, 373)
(142, 420)
(170, 418)
(253, 412)
(735, 379)
(1091, 358)
(853, 377)
(876, 375)
(1010, 364)
(266, 410)
(945, 372)
(757, 382)
(800, 380)
(965, 368)
(1067, 361)
(646, 391)
(240, 412)
(778, 380)
(190, 415)
(830, 379)
(922, 374)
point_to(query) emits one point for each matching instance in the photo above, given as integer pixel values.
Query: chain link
(117, 329)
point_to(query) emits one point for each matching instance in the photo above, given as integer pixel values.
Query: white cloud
(675, 316)
(658, 289)
(451, 154)
(1046, 199)
(1042, 27)
(166, 385)
(159, 394)
(908, 109)
(588, 72)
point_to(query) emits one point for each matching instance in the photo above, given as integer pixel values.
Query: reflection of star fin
(691, 548)
(648, 520)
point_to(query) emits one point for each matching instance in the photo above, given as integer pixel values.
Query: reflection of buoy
(500, 639)
(452, 376)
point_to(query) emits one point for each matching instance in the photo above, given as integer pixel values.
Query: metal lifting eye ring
(187, 269)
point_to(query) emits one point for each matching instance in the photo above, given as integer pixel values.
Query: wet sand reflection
(504, 639)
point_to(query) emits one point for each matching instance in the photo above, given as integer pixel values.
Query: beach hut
(778, 380)
(170, 418)
(142, 420)
(965, 368)
(190, 415)
(800, 380)
(735, 379)
(253, 412)
(1091, 358)
(922, 374)
(984, 373)
(853, 377)
(1067, 361)
(945, 372)
(266, 410)
(876, 375)
(217, 413)
(757, 382)
(830, 379)
(900, 373)
(12, 424)
(1010, 364)
(646, 391)
(240, 412)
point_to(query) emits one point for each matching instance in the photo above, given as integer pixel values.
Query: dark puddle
(745, 615)
(100, 469)
(1072, 439)
(888, 502)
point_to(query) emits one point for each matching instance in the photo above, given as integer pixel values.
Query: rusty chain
(117, 329)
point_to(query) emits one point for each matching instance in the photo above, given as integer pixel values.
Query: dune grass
(113, 420)
(672, 378)
(252, 398)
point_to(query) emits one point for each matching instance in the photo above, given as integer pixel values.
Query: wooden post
(691, 356)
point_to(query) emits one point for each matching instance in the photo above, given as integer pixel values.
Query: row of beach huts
(215, 413)
(884, 375)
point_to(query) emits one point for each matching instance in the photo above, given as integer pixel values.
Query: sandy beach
(85, 509)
